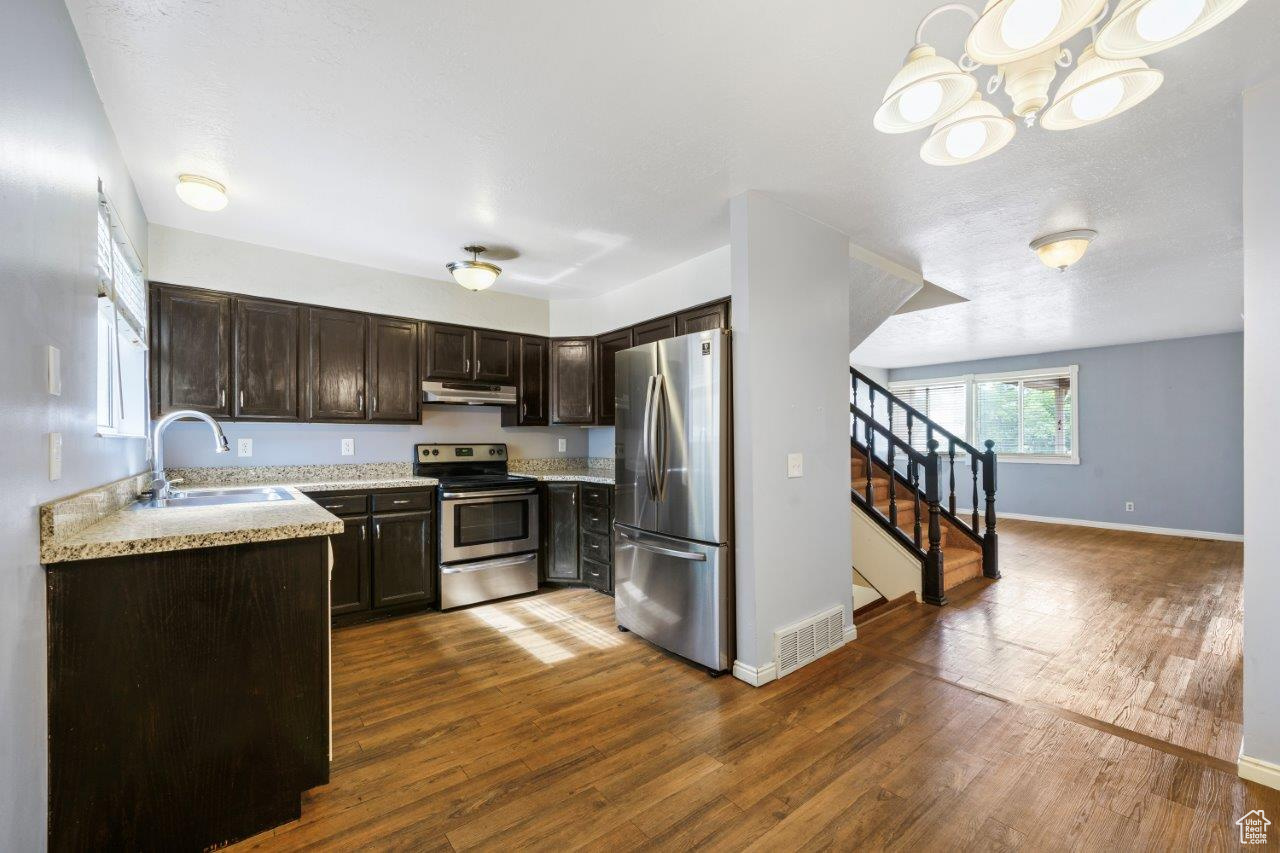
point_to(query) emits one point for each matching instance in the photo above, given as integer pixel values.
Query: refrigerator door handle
(691, 556)
(661, 436)
(646, 447)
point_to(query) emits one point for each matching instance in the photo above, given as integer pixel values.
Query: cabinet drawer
(596, 547)
(597, 575)
(594, 494)
(403, 501)
(596, 519)
(342, 504)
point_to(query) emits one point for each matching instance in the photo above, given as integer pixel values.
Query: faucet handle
(177, 481)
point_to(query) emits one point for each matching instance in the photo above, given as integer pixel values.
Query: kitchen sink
(216, 497)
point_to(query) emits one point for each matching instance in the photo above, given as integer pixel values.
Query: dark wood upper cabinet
(654, 330)
(573, 376)
(562, 538)
(266, 360)
(495, 358)
(449, 352)
(703, 319)
(337, 353)
(531, 385)
(192, 351)
(402, 548)
(394, 392)
(607, 348)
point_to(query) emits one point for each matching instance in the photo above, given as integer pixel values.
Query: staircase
(906, 472)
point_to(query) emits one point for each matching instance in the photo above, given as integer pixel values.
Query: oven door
(479, 525)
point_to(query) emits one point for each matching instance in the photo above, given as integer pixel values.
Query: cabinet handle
(375, 402)
(362, 531)
(400, 502)
(524, 410)
(222, 397)
(466, 365)
(242, 398)
(377, 530)
(360, 400)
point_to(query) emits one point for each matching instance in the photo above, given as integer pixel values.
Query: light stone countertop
(582, 475)
(150, 531)
(361, 484)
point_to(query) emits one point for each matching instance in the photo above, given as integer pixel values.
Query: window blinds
(946, 403)
(119, 276)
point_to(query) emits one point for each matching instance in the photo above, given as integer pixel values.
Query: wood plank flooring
(1089, 700)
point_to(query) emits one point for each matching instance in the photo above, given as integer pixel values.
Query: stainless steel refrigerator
(673, 567)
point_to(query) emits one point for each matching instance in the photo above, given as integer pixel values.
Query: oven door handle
(487, 564)
(454, 496)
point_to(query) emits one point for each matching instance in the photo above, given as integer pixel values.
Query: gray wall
(55, 145)
(1262, 413)
(1160, 425)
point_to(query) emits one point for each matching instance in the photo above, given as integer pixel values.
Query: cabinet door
(394, 393)
(531, 385)
(562, 540)
(573, 380)
(704, 319)
(266, 360)
(607, 349)
(654, 330)
(449, 352)
(349, 587)
(336, 362)
(402, 543)
(495, 358)
(193, 351)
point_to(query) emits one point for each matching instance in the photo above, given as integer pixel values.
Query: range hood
(468, 394)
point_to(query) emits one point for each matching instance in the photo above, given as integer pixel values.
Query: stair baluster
(914, 472)
(893, 484)
(932, 583)
(951, 456)
(990, 549)
(973, 463)
(871, 444)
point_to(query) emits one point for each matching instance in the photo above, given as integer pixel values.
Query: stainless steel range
(488, 522)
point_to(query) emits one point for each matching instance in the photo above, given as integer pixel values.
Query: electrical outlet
(563, 445)
(1128, 506)
(795, 465)
(244, 447)
(55, 456)
(348, 447)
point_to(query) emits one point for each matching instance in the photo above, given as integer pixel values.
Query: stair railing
(981, 464)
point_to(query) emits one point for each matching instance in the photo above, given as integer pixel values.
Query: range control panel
(426, 453)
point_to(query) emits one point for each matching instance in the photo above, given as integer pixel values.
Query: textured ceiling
(602, 139)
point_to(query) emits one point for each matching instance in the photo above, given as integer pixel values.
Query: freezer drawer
(468, 583)
(676, 594)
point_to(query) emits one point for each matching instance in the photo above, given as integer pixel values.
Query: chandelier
(1025, 41)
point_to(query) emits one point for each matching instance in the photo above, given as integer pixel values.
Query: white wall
(55, 143)
(198, 260)
(698, 280)
(1261, 414)
(791, 381)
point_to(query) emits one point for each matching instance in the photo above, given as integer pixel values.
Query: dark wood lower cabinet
(579, 535)
(349, 590)
(402, 545)
(562, 532)
(188, 694)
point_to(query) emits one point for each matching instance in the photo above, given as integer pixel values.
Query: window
(121, 331)
(1031, 415)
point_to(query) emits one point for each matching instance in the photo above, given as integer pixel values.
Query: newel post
(932, 582)
(990, 550)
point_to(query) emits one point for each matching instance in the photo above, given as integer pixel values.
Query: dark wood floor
(1090, 700)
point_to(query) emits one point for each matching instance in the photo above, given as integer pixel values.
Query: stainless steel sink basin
(216, 497)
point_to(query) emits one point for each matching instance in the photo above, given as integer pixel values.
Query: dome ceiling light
(1026, 41)
(474, 274)
(201, 193)
(1059, 251)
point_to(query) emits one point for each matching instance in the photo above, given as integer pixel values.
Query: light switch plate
(348, 447)
(563, 445)
(1128, 506)
(55, 371)
(244, 447)
(55, 456)
(795, 465)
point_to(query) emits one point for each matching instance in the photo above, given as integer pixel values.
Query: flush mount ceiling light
(474, 274)
(1010, 30)
(1099, 89)
(1026, 41)
(1063, 249)
(929, 87)
(1143, 27)
(201, 193)
(972, 132)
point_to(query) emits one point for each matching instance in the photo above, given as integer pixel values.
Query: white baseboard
(1114, 525)
(760, 676)
(1257, 770)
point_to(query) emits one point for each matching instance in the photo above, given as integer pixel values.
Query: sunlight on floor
(584, 631)
(545, 650)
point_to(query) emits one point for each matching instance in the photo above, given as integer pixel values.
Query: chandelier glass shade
(474, 274)
(1060, 251)
(929, 87)
(1010, 30)
(1098, 89)
(972, 132)
(1143, 27)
